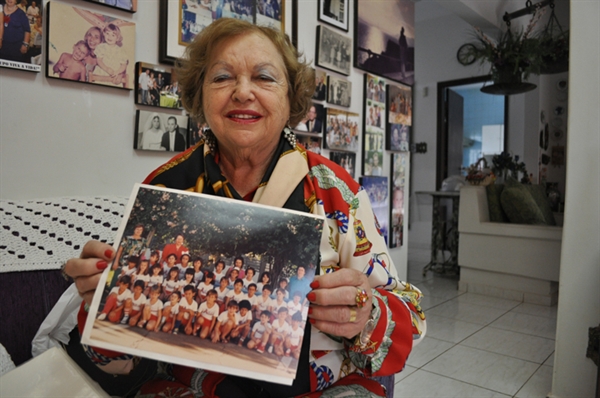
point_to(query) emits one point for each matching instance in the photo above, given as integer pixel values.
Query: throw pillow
(493, 192)
(538, 192)
(519, 205)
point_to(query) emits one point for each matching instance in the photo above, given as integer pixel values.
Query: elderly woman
(247, 84)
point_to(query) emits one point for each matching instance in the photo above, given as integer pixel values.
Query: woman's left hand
(333, 302)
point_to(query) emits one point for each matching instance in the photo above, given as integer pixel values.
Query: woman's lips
(244, 116)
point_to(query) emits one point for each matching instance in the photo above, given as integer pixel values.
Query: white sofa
(514, 261)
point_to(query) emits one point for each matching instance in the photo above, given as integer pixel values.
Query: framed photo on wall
(321, 85)
(156, 131)
(398, 187)
(339, 91)
(333, 51)
(90, 47)
(125, 5)
(195, 132)
(341, 130)
(377, 188)
(384, 39)
(334, 13)
(180, 21)
(156, 86)
(374, 125)
(312, 142)
(398, 129)
(314, 120)
(345, 159)
(23, 36)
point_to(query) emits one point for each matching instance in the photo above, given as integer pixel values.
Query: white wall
(61, 138)
(579, 300)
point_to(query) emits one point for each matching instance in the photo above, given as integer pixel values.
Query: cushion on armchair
(493, 192)
(526, 204)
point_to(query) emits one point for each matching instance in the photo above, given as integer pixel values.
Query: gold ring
(361, 298)
(352, 314)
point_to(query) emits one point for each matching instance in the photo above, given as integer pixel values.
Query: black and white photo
(339, 91)
(335, 13)
(334, 51)
(155, 131)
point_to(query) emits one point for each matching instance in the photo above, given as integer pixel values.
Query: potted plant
(505, 165)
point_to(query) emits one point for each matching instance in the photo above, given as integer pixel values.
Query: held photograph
(155, 131)
(21, 35)
(334, 51)
(206, 282)
(89, 47)
(157, 86)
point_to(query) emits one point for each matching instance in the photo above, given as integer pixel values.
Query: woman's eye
(266, 78)
(220, 78)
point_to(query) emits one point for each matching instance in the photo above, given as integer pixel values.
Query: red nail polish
(312, 320)
(311, 296)
(314, 285)
(108, 253)
(101, 264)
(309, 310)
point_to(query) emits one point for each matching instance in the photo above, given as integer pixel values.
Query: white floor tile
(427, 350)
(550, 360)
(516, 345)
(448, 329)
(539, 385)
(438, 287)
(467, 312)
(428, 302)
(539, 310)
(485, 369)
(488, 301)
(430, 385)
(528, 324)
(405, 372)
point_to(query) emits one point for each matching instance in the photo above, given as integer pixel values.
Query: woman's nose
(244, 90)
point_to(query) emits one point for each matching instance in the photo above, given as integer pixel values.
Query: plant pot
(507, 82)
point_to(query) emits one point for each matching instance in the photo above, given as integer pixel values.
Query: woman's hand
(23, 49)
(333, 302)
(86, 269)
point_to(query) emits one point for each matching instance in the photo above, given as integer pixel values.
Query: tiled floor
(476, 346)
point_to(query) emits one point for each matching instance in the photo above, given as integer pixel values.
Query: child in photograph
(113, 308)
(294, 306)
(238, 264)
(222, 291)
(112, 58)
(188, 279)
(156, 277)
(226, 321)
(71, 66)
(219, 270)
(154, 257)
(134, 305)
(280, 332)
(142, 273)
(292, 342)
(233, 277)
(236, 294)
(252, 297)
(170, 284)
(198, 271)
(207, 314)
(187, 309)
(279, 302)
(248, 279)
(265, 279)
(260, 333)
(242, 329)
(265, 302)
(184, 264)
(152, 312)
(132, 264)
(170, 263)
(205, 286)
(283, 283)
(169, 313)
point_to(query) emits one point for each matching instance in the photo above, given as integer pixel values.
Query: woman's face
(155, 123)
(93, 38)
(245, 91)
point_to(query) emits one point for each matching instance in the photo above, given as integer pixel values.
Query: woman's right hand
(86, 269)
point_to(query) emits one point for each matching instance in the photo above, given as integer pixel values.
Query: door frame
(441, 168)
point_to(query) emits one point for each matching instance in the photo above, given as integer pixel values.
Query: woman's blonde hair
(191, 68)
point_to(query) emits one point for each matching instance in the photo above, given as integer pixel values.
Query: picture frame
(195, 131)
(384, 39)
(374, 122)
(180, 21)
(74, 33)
(334, 13)
(124, 5)
(152, 131)
(345, 159)
(321, 85)
(341, 130)
(398, 189)
(312, 142)
(161, 86)
(339, 91)
(333, 51)
(399, 125)
(314, 120)
(377, 188)
(11, 56)
(165, 213)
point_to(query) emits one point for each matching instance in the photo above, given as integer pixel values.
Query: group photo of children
(167, 287)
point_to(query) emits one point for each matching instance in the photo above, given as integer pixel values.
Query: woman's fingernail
(309, 310)
(311, 296)
(314, 285)
(312, 320)
(101, 264)
(108, 253)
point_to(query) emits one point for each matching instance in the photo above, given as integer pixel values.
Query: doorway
(471, 125)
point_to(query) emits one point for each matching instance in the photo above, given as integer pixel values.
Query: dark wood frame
(113, 7)
(138, 68)
(318, 62)
(330, 79)
(329, 21)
